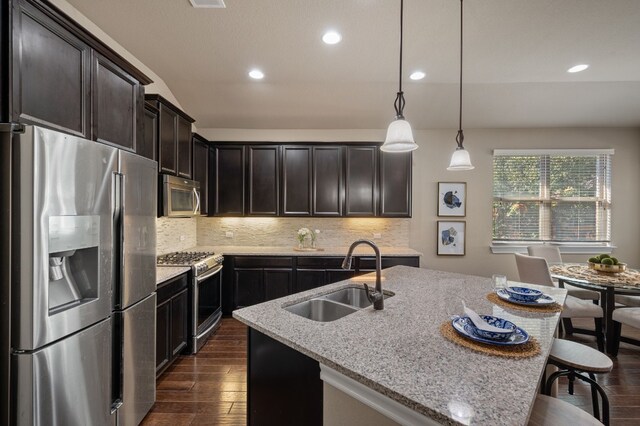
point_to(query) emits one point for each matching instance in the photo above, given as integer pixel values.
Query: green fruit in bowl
(607, 261)
(594, 259)
(615, 261)
(604, 256)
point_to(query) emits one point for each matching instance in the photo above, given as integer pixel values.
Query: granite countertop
(164, 273)
(400, 353)
(289, 251)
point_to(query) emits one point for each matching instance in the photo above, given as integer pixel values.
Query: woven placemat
(495, 299)
(527, 350)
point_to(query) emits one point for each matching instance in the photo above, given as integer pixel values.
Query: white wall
(158, 86)
(432, 158)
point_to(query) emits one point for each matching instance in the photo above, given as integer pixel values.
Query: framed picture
(452, 198)
(451, 237)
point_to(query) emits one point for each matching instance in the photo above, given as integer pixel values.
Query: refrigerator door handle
(120, 225)
(197, 208)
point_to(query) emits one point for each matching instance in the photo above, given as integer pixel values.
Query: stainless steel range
(206, 291)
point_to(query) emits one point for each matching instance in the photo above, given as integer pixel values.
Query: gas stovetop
(199, 261)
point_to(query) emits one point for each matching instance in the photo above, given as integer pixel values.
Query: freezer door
(62, 235)
(138, 229)
(137, 341)
(67, 383)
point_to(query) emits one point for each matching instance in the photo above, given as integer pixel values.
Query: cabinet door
(264, 180)
(163, 332)
(335, 275)
(184, 148)
(51, 69)
(179, 306)
(296, 175)
(167, 150)
(229, 180)
(395, 184)
(248, 288)
(307, 279)
(277, 283)
(201, 172)
(361, 191)
(117, 105)
(149, 143)
(327, 181)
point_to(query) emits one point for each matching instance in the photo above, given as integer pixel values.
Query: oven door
(207, 306)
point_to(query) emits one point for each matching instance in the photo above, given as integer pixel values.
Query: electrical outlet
(182, 237)
(377, 235)
(228, 234)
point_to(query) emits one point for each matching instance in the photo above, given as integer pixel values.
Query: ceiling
(516, 56)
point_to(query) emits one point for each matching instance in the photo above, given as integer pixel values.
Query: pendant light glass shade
(460, 160)
(399, 137)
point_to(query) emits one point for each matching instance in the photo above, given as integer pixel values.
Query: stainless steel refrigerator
(83, 301)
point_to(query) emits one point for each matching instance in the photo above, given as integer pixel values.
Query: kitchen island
(399, 358)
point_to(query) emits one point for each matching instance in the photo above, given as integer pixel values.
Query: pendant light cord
(399, 103)
(460, 135)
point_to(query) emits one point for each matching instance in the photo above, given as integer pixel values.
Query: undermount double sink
(334, 305)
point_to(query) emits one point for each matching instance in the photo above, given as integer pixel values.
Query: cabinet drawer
(263, 262)
(388, 262)
(169, 288)
(314, 262)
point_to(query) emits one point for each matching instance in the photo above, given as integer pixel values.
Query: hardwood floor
(211, 388)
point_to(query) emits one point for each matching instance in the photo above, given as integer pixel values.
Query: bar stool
(548, 411)
(573, 359)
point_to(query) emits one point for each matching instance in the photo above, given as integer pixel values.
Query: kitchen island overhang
(399, 352)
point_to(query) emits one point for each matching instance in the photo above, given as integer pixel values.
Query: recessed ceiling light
(417, 75)
(256, 74)
(578, 68)
(218, 4)
(332, 37)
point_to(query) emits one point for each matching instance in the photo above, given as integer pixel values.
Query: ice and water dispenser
(74, 261)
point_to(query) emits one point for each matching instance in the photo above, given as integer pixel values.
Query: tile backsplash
(279, 231)
(175, 234)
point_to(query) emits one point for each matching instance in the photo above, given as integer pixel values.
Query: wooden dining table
(607, 284)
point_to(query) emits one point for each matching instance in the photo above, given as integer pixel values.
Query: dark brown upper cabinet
(327, 181)
(175, 148)
(263, 180)
(118, 105)
(229, 180)
(395, 184)
(149, 143)
(185, 147)
(361, 189)
(58, 75)
(201, 170)
(51, 73)
(296, 180)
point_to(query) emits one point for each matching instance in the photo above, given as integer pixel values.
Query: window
(552, 195)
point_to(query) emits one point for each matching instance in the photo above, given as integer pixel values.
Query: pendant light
(399, 135)
(460, 159)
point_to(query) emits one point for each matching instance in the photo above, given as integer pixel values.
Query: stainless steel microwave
(181, 197)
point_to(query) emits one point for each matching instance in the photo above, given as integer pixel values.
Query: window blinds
(554, 195)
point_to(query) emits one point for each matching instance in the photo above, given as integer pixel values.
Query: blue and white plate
(464, 326)
(544, 300)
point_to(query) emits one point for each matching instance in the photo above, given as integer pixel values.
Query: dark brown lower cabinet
(172, 326)
(256, 279)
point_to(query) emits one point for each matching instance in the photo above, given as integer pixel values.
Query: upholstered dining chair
(627, 316)
(535, 270)
(553, 257)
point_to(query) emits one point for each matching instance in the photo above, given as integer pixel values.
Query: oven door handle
(209, 274)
